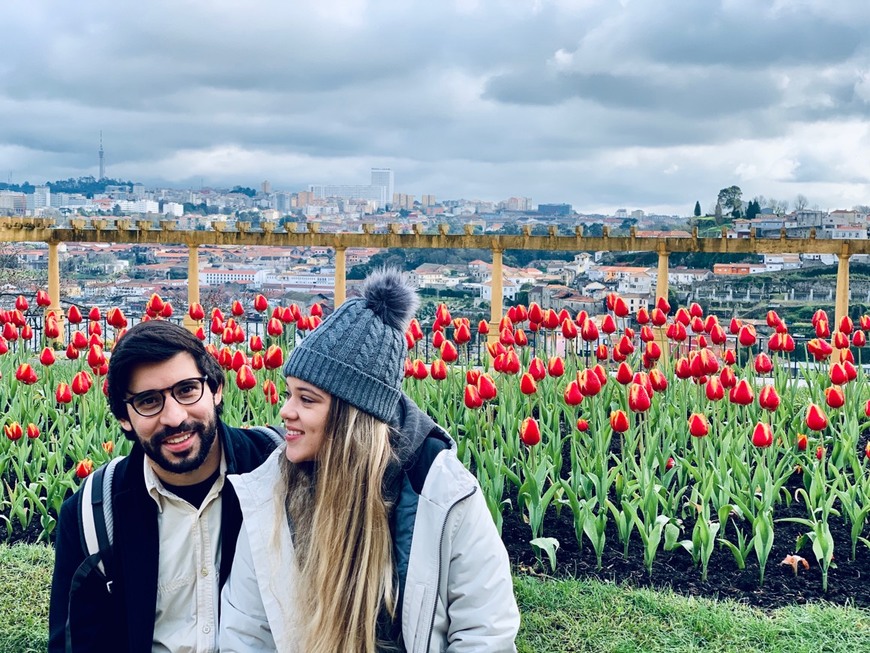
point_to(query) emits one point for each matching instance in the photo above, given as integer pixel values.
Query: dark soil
(847, 579)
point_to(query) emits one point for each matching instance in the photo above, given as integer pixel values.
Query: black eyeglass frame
(161, 392)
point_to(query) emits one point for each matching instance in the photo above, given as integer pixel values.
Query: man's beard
(186, 461)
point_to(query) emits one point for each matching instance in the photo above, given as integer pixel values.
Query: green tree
(731, 199)
(752, 209)
(697, 209)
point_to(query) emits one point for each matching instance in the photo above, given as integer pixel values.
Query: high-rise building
(41, 197)
(383, 177)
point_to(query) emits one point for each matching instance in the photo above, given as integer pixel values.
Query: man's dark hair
(155, 341)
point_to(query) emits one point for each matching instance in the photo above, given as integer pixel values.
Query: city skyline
(598, 104)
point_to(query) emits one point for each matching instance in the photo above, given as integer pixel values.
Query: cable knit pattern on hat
(358, 352)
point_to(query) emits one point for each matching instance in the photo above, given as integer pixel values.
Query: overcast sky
(604, 104)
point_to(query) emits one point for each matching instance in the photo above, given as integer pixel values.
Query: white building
(383, 177)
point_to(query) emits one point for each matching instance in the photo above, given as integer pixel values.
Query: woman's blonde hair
(340, 522)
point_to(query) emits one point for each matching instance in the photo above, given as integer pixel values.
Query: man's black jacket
(124, 620)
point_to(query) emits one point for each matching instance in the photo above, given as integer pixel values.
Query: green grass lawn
(558, 615)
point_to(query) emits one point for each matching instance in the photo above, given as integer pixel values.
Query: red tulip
(317, 310)
(84, 468)
(653, 351)
(840, 340)
(166, 311)
(10, 332)
(196, 312)
(669, 465)
(819, 348)
(21, 303)
(589, 331)
(472, 397)
(714, 389)
(619, 421)
(747, 336)
(32, 431)
(859, 339)
(763, 364)
(462, 334)
(624, 373)
(816, 419)
(820, 323)
(520, 338)
(802, 442)
(486, 387)
(260, 304)
(26, 374)
(717, 335)
(47, 357)
(768, 398)
(81, 383)
(698, 425)
(728, 378)
(270, 391)
(96, 357)
(115, 318)
(569, 329)
(245, 379)
(638, 398)
(682, 368)
(438, 370)
(762, 435)
(572, 395)
(537, 369)
(528, 385)
(555, 366)
(274, 357)
(742, 393)
(42, 298)
(642, 316)
(530, 434)
(511, 362)
(658, 381)
(658, 317)
(482, 327)
(834, 396)
(601, 352)
(582, 425)
(13, 431)
(51, 327)
(257, 361)
(274, 327)
(420, 371)
(448, 352)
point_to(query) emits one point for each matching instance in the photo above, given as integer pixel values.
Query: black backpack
(96, 523)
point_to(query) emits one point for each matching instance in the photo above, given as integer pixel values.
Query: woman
(364, 532)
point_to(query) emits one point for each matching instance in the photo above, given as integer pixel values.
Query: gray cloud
(601, 104)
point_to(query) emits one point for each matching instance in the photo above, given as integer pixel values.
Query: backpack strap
(97, 521)
(276, 433)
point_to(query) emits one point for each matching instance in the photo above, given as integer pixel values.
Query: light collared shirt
(186, 618)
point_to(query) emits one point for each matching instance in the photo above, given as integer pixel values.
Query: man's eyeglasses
(186, 393)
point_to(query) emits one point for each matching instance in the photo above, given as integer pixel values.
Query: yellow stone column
(662, 277)
(340, 276)
(841, 306)
(192, 285)
(54, 289)
(497, 295)
(662, 291)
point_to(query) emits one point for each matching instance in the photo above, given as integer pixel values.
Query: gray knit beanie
(358, 352)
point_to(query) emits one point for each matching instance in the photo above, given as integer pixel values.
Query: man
(176, 519)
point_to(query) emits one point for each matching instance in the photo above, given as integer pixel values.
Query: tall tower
(102, 160)
(383, 177)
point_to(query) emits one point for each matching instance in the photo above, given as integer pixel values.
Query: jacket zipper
(440, 550)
